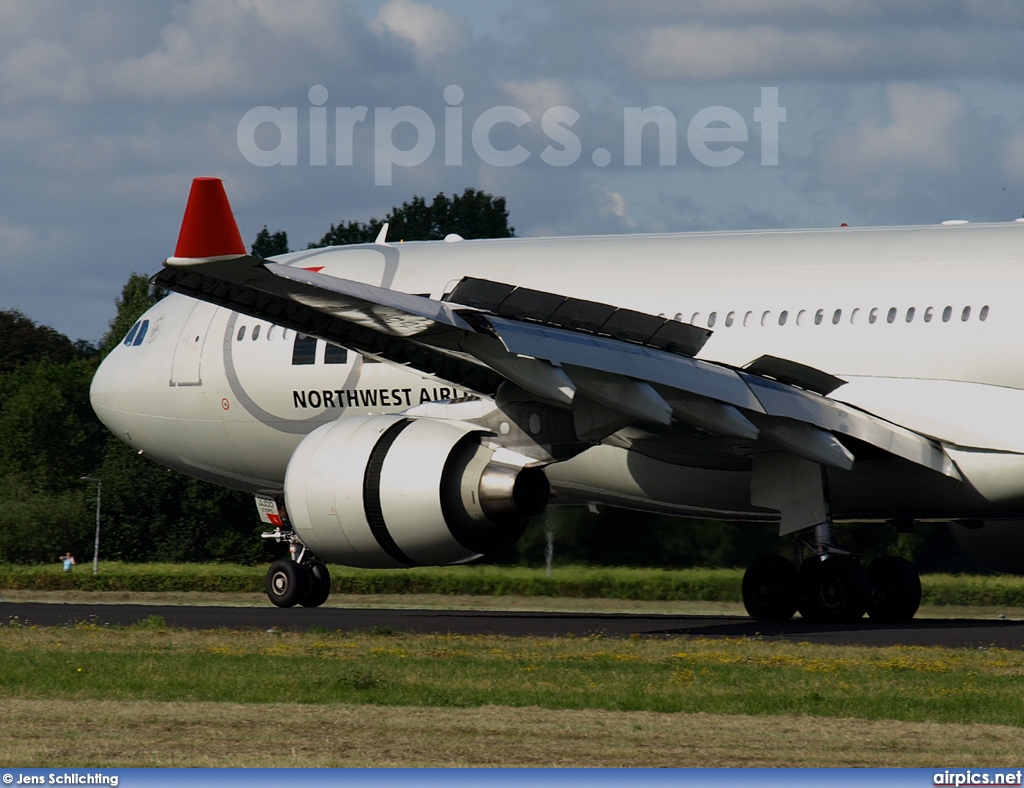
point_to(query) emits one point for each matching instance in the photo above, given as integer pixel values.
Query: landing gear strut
(299, 579)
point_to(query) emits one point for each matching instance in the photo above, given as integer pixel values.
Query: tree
(49, 435)
(473, 214)
(25, 341)
(269, 244)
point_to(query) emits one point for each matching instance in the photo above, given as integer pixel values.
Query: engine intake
(390, 491)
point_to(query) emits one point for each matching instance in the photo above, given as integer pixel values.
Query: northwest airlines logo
(715, 136)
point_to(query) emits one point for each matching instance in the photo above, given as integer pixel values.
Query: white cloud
(109, 110)
(38, 70)
(15, 239)
(919, 135)
(1013, 161)
(615, 205)
(699, 52)
(431, 31)
(537, 96)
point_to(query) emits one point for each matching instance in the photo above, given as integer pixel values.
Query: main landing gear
(299, 579)
(831, 587)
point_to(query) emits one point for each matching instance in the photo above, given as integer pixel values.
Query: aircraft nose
(110, 394)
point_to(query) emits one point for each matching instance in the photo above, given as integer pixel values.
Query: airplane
(406, 404)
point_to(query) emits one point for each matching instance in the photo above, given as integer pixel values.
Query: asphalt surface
(964, 633)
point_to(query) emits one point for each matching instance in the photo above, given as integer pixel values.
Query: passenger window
(819, 316)
(891, 316)
(747, 318)
(966, 314)
(270, 332)
(947, 313)
(873, 315)
(910, 314)
(712, 318)
(695, 320)
(800, 317)
(837, 316)
(255, 332)
(928, 314)
(335, 355)
(766, 318)
(855, 317)
(731, 318)
(241, 334)
(983, 314)
(304, 350)
(783, 317)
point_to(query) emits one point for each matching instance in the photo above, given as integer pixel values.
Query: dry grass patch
(58, 733)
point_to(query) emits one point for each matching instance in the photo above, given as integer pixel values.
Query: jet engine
(997, 545)
(393, 491)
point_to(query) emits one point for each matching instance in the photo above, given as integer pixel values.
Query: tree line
(50, 439)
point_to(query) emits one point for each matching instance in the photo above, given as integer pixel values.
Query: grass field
(87, 695)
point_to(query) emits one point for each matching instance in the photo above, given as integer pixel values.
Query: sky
(588, 117)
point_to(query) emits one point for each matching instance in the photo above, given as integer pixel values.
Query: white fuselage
(924, 324)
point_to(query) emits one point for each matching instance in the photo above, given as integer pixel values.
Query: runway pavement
(965, 633)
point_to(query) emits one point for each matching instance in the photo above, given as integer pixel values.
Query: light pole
(96, 552)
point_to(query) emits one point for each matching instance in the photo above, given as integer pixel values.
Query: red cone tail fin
(208, 228)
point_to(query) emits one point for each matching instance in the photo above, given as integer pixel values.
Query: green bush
(710, 585)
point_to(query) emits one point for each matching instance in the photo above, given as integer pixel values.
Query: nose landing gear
(290, 583)
(299, 579)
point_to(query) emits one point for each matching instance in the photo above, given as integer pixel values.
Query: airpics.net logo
(715, 136)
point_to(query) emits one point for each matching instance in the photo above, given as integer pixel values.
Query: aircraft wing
(611, 366)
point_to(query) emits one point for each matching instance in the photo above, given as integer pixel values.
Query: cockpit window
(131, 334)
(136, 334)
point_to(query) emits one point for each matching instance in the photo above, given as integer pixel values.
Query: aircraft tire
(894, 590)
(319, 585)
(834, 590)
(286, 583)
(770, 589)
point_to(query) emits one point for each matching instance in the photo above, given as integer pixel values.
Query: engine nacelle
(997, 545)
(393, 491)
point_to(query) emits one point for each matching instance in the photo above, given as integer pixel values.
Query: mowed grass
(751, 677)
(143, 696)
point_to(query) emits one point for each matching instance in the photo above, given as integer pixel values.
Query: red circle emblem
(225, 404)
